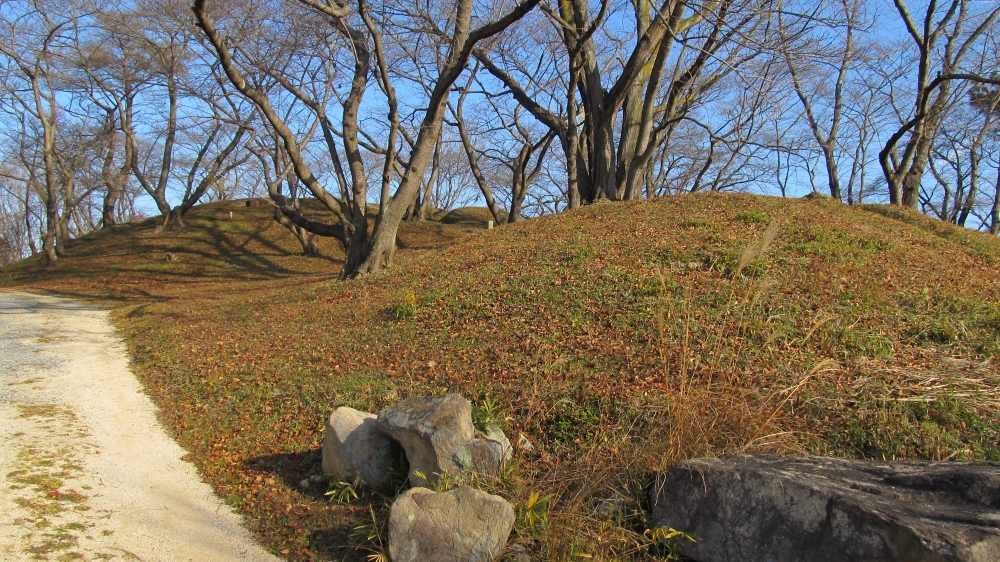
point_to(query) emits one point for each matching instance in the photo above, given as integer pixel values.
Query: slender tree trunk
(27, 221)
(114, 181)
(49, 237)
(422, 203)
(970, 198)
(570, 140)
(995, 211)
(833, 174)
(470, 154)
(915, 174)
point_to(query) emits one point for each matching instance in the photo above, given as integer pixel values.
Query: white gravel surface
(86, 471)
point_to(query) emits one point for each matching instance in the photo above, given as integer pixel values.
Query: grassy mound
(618, 339)
(476, 216)
(221, 243)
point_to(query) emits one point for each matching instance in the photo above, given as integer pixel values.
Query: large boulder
(354, 447)
(775, 508)
(431, 429)
(463, 525)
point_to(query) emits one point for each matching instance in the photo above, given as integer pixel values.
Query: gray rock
(494, 433)
(463, 525)
(354, 447)
(431, 429)
(611, 509)
(778, 509)
(486, 453)
(481, 455)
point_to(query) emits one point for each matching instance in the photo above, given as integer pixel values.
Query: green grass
(618, 338)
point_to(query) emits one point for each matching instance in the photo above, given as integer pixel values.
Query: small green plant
(694, 223)
(753, 217)
(573, 422)
(653, 286)
(343, 492)
(407, 306)
(535, 512)
(442, 483)
(373, 536)
(668, 540)
(396, 476)
(583, 254)
(485, 413)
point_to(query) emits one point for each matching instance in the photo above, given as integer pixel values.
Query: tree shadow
(292, 469)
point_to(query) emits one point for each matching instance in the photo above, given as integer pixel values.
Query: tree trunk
(174, 219)
(305, 238)
(27, 221)
(995, 211)
(111, 197)
(114, 181)
(470, 154)
(422, 203)
(833, 174)
(49, 238)
(970, 198)
(915, 174)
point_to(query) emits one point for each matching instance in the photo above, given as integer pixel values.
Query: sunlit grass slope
(617, 338)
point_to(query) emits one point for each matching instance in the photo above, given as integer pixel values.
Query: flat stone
(462, 525)
(787, 509)
(431, 429)
(354, 448)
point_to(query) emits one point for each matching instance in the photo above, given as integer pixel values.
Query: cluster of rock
(432, 436)
(749, 507)
(786, 509)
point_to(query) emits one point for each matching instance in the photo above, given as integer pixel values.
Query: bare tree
(519, 171)
(203, 126)
(361, 29)
(16, 218)
(943, 39)
(32, 38)
(627, 89)
(985, 99)
(822, 45)
(956, 163)
(113, 72)
(277, 172)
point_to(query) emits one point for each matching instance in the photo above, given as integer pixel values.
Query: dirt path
(86, 472)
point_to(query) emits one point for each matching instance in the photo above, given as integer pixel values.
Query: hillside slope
(223, 242)
(617, 338)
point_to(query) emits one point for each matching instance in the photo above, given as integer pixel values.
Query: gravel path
(86, 471)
